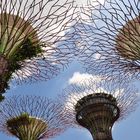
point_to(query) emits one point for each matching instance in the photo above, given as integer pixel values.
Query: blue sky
(126, 129)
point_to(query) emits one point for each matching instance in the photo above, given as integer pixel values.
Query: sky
(127, 129)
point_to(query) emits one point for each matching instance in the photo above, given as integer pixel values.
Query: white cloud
(118, 91)
(85, 2)
(83, 8)
(78, 78)
(97, 56)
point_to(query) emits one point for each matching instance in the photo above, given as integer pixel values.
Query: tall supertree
(31, 117)
(31, 32)
(97, 105)
(111, 37)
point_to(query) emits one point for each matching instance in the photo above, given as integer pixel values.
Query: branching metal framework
(31, 117)
(32, 39)
(111, 37)
(98, 105)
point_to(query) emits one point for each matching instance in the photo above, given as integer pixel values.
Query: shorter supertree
(98, 105)
(31, 117)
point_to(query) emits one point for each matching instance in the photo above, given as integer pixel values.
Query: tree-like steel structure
(112, 37)
(98, 105)
(31, 32)
(31, 117)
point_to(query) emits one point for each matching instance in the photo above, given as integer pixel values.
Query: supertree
(111, 37)
(97, 105)
(31, 32)
(31, 117)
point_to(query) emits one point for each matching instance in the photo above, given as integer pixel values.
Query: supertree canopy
(31, 117)
(112, 37)
(31, 32)
(97, 105)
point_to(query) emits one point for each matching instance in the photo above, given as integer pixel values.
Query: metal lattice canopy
(111, 37)
(31, 117)
(32, 39)
(97, 104)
